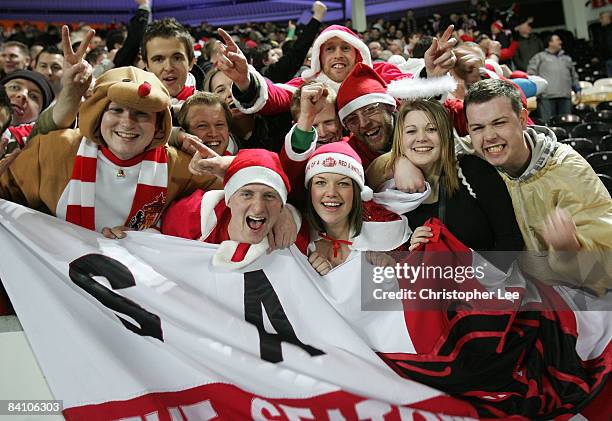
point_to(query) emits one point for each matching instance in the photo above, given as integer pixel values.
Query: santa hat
(363, 86)
(345, 34)
(338, 158)
(256, 166)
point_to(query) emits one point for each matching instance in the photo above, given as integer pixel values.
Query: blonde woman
(468, 194)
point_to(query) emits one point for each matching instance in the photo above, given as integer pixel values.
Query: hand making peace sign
(440, 58)
(232, 62)
(77, 72)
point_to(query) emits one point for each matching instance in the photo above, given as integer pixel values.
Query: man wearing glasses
(366, 106)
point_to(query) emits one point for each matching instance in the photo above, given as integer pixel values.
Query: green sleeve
(301, 140)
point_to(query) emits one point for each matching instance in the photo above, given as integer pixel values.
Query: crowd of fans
(260, 136)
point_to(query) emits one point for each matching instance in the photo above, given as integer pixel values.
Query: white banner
(144, 328)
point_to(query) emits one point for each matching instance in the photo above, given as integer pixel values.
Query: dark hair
(92, 56)
(421, 46)
(487, 89)
(114, 37)
(202, 98)
(49, 49)
(167, 28)
(355, 216)
(260, 55)
(548, 38)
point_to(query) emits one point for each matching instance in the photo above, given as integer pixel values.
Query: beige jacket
(558, 176)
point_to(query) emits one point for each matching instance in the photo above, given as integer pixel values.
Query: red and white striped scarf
(151, 191)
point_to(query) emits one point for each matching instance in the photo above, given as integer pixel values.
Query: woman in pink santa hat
(341, 216)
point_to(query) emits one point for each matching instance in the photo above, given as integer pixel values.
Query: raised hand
(313, 99)
(319, 10)
(560, 232)
(77, 72)
(206, 161)
(439, 57)
(232, 62)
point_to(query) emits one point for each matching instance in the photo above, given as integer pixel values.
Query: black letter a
(258, 290)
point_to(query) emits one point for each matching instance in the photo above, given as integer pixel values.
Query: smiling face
(221, 86)
(496, 131)
(421, 141)
(255, 209)
(26, 100)
(52, 67)
(327, 125)
(126, 131)
(332, 198)
(208, 122)
(13, 58)
(373, 125)
(167, 58)
(337, 59)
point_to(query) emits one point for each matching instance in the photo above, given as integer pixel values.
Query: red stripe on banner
(79, 214)
(85, 169)
(227, 402)
(569, 378)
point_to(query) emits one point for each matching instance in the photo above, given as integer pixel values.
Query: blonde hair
(438, 116)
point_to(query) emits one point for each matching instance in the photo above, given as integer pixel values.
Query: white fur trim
(223, 257)
(299, 157)
(367, 194)
(286, 87)
(262, 95)
(364, 100)
(382, 236)
(397, 201)
(421, 88)
(315, 60)
(208, 218)
(344, 165)
(255, 175)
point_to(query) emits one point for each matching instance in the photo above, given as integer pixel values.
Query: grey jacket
(558, 69)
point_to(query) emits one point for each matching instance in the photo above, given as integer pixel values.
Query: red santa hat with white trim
(345, 34)
(363, 86)
(338, 158)
(256, 166)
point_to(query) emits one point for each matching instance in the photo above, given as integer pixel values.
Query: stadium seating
(582, 109)
(606, 105)
(594, 131)
(581, 145)
(605, 144)
(567, 121)
(601, 162)
(602, 115)
(559, 132)
(607, 181)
